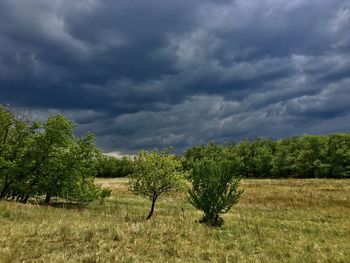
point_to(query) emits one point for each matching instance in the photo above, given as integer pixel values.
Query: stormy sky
(155, 73)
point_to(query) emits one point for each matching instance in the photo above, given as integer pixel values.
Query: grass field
(275, 221)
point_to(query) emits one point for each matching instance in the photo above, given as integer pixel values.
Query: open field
(275, 221)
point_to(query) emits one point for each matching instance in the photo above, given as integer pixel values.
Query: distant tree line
(111, 167)
(45, 160)
(308, 156)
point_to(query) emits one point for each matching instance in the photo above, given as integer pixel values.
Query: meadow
(277, 220)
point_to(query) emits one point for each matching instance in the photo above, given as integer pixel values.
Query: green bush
(214, 188)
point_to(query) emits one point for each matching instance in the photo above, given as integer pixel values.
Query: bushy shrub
(214, 188)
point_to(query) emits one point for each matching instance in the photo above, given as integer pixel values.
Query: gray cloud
(145, 74)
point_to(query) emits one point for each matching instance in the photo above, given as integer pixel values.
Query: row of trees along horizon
(45, 161)
(307, 156)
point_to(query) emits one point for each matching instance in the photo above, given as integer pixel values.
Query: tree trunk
(152, 208)
(4, 189)
(47, 199)
(25, 199)
(3, 192)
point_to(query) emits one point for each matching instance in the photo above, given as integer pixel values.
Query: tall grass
(275, 221)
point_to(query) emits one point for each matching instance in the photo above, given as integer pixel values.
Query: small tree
(156, 173)
(214, 188)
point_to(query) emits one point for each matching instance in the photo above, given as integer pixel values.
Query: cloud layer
(146, 74)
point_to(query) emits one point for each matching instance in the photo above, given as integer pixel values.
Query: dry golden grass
(275, 221)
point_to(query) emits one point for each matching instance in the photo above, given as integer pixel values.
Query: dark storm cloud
(145, 74)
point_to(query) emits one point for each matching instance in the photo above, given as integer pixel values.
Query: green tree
(16, 137)
(48, 148)
(70, 172)
(199, 152)
(111, 167)
(156, 173)
(256, 157)
(214, 188)
(46, 160)
(284, 158)
(338, 155)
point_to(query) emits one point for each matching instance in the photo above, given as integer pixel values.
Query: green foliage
(156, 173)
(16, 139)
(214, 188)
(255, 156)
(294, 157)
(111, 167)
(104, 193)
(46, 160)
